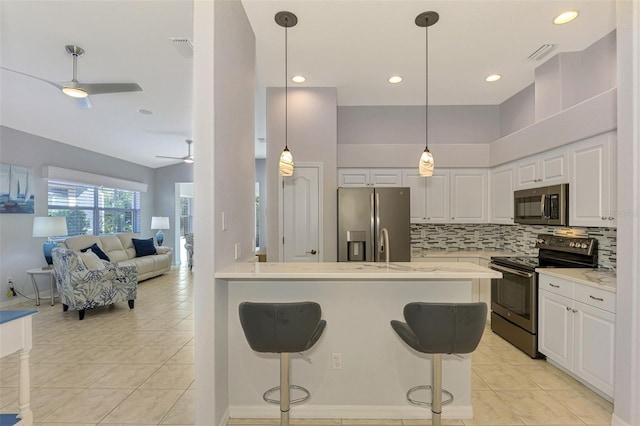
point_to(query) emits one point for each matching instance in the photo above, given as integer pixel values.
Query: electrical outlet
(237, 251)
(336, 361)
(12, 291)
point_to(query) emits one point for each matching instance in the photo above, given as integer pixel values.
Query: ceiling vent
(541, 52)
(184, 46)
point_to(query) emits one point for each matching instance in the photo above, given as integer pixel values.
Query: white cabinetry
(592, 190)
(547, 168)
(469, 196)
(501, 194)
(429, 196)
(369, 177)
(576, 330)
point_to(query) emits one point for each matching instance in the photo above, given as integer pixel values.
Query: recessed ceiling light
(145, 111)
(492, 78)
(565, 17)
(298, 79)
(395, 79)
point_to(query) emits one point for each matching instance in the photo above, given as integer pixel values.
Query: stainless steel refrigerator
(362, 215)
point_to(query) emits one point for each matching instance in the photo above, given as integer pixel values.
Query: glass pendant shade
(286, 163)
(427, 164)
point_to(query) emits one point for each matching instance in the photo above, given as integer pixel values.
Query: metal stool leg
(284, 389)
(436, 391)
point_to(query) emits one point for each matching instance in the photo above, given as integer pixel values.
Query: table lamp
(160, 223)
(49, 226)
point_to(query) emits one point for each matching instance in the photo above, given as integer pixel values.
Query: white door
(301, 217)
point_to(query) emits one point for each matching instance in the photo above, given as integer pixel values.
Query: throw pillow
(98, 251)
(144, 247)
(91, 261)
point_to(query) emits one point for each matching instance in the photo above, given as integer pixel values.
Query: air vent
(541, 52)
(184, 46)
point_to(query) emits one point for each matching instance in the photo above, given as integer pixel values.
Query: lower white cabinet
(484, 289)
(576, 330)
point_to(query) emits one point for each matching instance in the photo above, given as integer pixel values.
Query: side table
(40, 271)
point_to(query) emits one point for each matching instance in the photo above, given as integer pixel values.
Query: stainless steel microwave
(547, 205)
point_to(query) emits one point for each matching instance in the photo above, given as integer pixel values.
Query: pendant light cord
(286, 91)
(426, 85)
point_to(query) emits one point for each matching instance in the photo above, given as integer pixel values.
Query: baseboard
(12, 302)
(617, 421)
(348, 412)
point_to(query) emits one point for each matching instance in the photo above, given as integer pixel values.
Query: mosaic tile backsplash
(516, 238)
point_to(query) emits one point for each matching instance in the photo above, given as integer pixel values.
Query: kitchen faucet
(384, 244)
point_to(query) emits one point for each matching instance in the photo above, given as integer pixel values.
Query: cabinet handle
(574, 310)
(604, 218)
(599, 299)
(568, 308)
(553, 285)
(610, 217)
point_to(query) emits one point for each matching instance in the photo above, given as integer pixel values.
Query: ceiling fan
(81, 91)
(187, 159)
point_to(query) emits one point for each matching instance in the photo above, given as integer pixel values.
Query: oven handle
(511, 271)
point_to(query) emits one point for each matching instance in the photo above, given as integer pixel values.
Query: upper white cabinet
(547, 168)
(369, 177)
(592, 188)
(501, 186)
(469, 196)
(429, 196)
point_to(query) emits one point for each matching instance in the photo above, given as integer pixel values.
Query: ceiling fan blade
(173, 158)
(53, 83)
(99, 88)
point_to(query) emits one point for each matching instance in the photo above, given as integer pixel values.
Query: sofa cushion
(80, 242)
(91, 260)
(125, 239)
(112, 245)
(95, 249)
(144, 265)
(144, 247)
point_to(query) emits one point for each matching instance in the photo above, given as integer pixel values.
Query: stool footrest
(291, 401)
(424, 403)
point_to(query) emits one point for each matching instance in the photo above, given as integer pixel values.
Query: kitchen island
(358, 301)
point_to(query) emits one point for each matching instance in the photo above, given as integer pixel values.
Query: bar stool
(282, 328)
(440, 328)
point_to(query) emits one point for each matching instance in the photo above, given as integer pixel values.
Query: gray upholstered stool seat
(282, 328)
(440, 328)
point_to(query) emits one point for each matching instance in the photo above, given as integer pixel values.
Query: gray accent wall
(517, 112)
(18, 250)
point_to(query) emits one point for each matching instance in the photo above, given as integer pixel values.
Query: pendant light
(286, 20)
(426, 165)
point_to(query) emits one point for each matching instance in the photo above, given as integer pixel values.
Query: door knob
(311, 252)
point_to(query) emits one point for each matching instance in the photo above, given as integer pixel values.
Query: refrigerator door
(392, 212)
(355, 224)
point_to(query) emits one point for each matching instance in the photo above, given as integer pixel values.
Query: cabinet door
(590, 180)
(438, 197)
(469, 196)
(555, 328)
(527, 173)
(594, 346)
(353, 177)
(418, 199)
(501, 193)
(553, 167)
(385, 177)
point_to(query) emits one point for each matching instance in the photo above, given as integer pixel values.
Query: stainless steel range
(514, 297)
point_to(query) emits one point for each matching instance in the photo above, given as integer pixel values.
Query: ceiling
(354, 45)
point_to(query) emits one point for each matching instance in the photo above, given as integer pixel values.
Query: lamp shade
(160, 222)
(48, 226)
(426, 164)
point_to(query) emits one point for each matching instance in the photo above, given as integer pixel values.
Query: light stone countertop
(605, 280)
(484, 254)
(333, 271)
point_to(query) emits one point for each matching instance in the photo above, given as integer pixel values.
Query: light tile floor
(135, 367)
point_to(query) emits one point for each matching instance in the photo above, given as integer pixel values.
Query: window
(94, 210)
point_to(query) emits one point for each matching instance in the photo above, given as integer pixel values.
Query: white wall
(312, 138)
(224, 85)
(627, 374)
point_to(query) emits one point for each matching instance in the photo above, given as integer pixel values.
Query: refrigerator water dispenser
(356, 246)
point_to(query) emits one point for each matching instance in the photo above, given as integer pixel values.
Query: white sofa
(119, 248)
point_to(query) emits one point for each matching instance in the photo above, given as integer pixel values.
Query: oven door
(515, 297)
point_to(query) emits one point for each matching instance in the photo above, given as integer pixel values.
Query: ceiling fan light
(188, 160)
(74, 92)
(286, 163)
(426, 166)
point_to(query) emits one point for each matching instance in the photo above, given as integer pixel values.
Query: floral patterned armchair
(82, 288)
(188, 245)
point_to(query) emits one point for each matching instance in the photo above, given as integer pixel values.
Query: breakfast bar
(359, 368)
